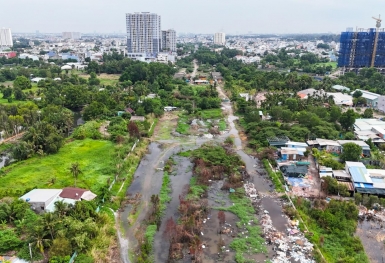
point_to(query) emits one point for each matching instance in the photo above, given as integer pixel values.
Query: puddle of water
(275, 212)
(178, 182)
(147, 181)
(4, 159)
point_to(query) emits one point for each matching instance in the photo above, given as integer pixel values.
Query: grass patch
(254, 243)
(94, 157)
(164, 194)
(165, 129)
(275, 177)
(5, 146)
(222, 125)
(185, 154)
(183, 127)
(14, 102)
(195, 190)
(211, 114)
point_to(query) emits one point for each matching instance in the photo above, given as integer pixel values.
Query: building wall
(219, 38)
(381, 103)
(38, 207)
(6, 37)
(143, 33)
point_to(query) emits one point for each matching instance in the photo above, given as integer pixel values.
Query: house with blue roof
(366, 181)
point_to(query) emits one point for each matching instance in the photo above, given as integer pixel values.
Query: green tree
(94, 111)
(7, 93)
(351, 152)
(9, 241)
(19, 94)
(22, 82)
(368, 113)
(357, 94)
(335, 113)
(347, 119)
(93, 80)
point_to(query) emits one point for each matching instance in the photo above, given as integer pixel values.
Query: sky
(196, 16)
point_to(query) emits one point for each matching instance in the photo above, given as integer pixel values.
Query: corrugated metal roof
(358, 174)
(349, 185)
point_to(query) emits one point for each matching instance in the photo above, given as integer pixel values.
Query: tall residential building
(219, 38)
(72, 35)
(143, 33)
(360, 49)
(169, 40)
(5, 38)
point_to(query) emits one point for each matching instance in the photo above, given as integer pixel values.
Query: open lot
(105, 79)
(53, 171)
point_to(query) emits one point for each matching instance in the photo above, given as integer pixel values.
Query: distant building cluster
(72, 35)
(145, 39)
(5, 38)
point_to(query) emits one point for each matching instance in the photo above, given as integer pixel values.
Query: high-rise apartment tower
(5, 38)
(143, 33)
(359, 49)
(219, 38)
(169, 40)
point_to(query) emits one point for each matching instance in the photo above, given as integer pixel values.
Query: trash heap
(377, 214)
(289, 247)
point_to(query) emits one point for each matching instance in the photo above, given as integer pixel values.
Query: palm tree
(49, 222)
(75, 170)
(38, 239)
(61, 208)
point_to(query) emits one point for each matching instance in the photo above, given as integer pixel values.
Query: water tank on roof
(28, 199)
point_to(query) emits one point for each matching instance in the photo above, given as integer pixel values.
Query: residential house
(362, 144)
(341, 99)
(43, 200)
(217, 76)
(366, 181)
(371, 98)
(327, 145)
(291, 154)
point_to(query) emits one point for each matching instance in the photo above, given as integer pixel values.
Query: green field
(333, 64)
(14, 102)
(94, 158)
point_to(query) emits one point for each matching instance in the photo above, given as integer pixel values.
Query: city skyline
(276, 17)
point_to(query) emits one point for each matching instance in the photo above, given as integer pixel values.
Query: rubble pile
(289, 247)
(251, 192)
(371, 214)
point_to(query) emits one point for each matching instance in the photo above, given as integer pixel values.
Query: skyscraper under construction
(362, 48)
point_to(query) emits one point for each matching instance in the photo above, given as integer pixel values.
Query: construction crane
(378, 25)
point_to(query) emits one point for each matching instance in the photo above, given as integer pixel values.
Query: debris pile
(291, 246)
(251, 192)
(371, 214)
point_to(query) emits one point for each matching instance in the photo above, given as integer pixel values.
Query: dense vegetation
(56, 235)
(332, 226)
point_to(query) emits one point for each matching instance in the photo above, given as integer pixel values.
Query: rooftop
(41, 195)
(72, 193)
(339, 87)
